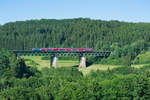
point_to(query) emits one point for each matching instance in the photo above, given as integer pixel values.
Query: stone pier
(54, 61)
(82, 61)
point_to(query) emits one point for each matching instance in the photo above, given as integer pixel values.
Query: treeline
(75, 33)
(125, 39)
(19, 82)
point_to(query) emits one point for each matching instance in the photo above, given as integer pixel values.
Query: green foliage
(126, 40)
(142, 58)
(147, 68)
(69, 84)
(4, 62)
(66, 72)
(121, 87)
(10, 66)
(125, 70)
(75, 33)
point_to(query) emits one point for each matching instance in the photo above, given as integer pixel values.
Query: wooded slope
(75, 33)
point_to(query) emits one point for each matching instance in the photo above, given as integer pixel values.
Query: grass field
(39, 63)
(143, 58)
(95, 67)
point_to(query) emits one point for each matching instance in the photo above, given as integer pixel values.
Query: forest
(21, 82)
(129, 43)
(125, 39)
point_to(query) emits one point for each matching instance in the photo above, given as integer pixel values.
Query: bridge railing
(60, 53)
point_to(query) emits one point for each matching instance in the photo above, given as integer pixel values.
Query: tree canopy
(75, 33)
(125, 39)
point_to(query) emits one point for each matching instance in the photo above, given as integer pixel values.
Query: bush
(124, 70)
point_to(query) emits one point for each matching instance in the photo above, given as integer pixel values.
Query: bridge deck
(61, 53)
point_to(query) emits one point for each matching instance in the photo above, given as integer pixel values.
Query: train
(63, 49)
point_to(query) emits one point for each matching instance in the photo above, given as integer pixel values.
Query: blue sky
(122, 10)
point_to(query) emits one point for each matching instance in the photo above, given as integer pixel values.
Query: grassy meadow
(40, 63)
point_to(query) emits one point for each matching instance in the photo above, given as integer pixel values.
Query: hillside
(71, 33)
(143, 58)
(29, 78)
(125, 39)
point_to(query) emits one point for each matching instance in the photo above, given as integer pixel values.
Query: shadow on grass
(87, 65)
(75, 66)
(27, 60)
